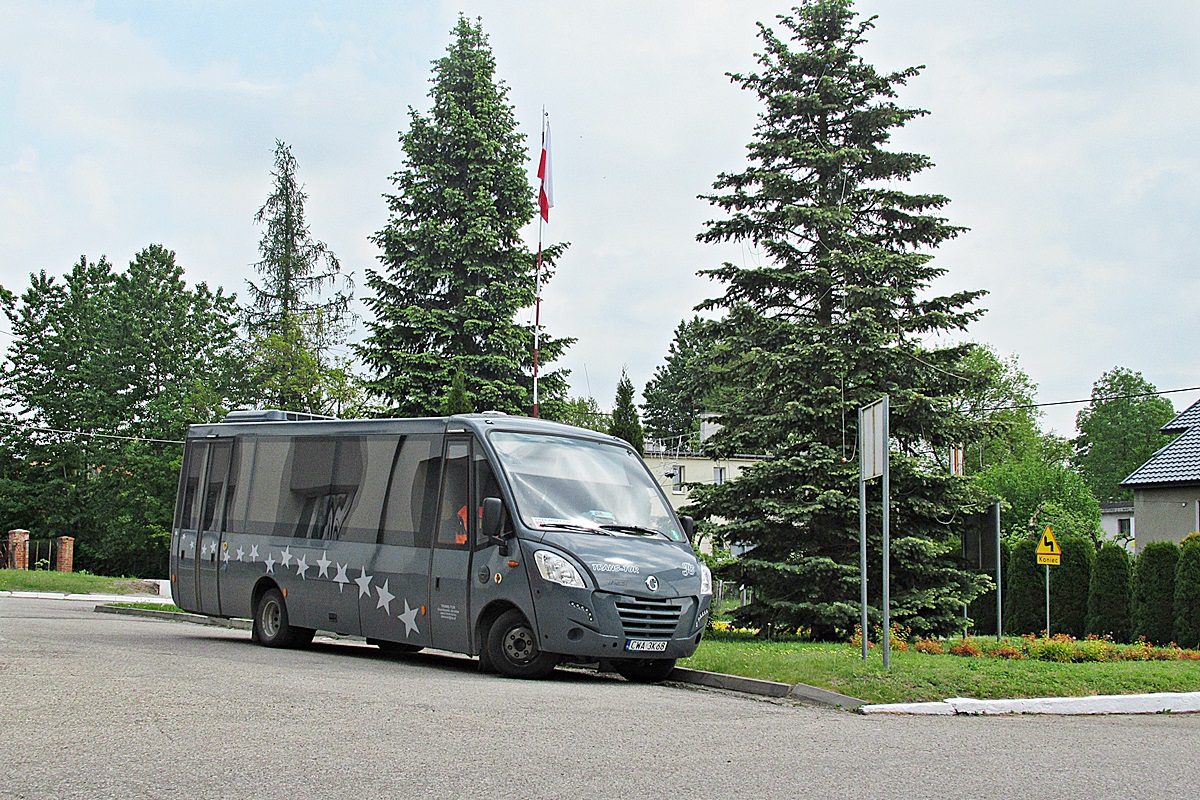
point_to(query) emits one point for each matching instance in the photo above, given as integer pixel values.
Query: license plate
(645, 646)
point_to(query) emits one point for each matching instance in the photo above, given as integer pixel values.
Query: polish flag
(546, 193)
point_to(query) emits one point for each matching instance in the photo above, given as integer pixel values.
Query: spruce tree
(675, 395)
(625, 423)
(454, 271)
(833, 318)
(300, 307)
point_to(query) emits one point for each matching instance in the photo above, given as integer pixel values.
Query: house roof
(1176, 463)
(1188, 418)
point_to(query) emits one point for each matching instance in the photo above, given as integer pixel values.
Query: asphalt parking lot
(101, 706)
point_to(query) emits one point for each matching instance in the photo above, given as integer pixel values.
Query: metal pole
(999, 579)
(862, 556)
(1047, 600)
(887, 543)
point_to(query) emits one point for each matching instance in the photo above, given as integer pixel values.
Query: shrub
(965, 647)
(1006, 651)
(1187, 593)
(1059, 647)
(1109, 595)
(1069, 586)
(1154, 592)
(931, 646)
(1025, 594)
(1094, 648)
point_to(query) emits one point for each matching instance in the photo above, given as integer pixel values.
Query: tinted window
(412, 492)
(193, 461)
(453, 522)
(214, 490)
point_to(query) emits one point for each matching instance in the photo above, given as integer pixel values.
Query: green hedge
(1070, 585)
(1154, 592)
(1187, 595)
(1111, 594)
(1025, 592)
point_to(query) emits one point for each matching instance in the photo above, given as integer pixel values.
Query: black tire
(644, 670)
(395, 648)
(512, 648)
(271, 626)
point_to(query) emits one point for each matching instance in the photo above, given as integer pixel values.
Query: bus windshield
(574, 484)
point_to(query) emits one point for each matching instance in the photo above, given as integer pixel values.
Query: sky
(1062, 132)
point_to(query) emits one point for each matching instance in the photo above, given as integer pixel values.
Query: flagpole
(537, 289)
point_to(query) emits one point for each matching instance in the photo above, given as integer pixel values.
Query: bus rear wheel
(644, 670)
(271, 626)
(513, 650)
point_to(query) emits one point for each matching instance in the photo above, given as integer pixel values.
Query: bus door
(209, 556)
(183, 544)
(466, 479)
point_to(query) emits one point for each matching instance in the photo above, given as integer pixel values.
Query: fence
(21, 552)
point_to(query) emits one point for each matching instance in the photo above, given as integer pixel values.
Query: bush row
(1101, 593)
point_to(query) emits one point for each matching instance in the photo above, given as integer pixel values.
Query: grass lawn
(919, 677)
(29, 580)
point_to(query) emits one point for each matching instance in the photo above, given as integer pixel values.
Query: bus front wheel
(271, 626)
(513, 650)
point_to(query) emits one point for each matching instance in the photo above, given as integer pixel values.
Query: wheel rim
(271, 618)
(519, 645)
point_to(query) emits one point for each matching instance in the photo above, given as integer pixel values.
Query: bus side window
(218, 473)
(456, 508)
(191, 487)
(412, 488)
(486, 485)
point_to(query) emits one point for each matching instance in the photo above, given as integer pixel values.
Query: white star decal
(270, 562)
(409, 618)
(302, 566)
(385, 598)
(254, 552)
(285, 558)
(225, 556)
(203, 550)
(364, 582)
(240, 553)
(323, 565)
(341, 578)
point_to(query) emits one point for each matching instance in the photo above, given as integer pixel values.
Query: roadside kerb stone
(1155, 703)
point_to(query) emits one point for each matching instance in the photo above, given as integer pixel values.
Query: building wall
(1166, 515)
(696, 469)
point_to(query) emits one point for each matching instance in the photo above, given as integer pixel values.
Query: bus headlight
(705, 580)
(557, 569)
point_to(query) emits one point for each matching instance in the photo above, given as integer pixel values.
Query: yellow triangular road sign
(1048, 546)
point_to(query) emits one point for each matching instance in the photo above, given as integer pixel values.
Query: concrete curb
(715, 680)
(176, 616)
(735, 683)
(94, 598)
(1157, 703)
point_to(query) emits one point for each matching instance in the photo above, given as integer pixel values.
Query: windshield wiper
(633, 529)
(571, 526)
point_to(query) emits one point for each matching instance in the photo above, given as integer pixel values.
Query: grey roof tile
(1178, 462)
(1188, 418)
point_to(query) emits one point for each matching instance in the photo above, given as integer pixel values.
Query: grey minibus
(523, 542)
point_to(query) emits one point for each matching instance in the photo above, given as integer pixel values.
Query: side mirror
(689, 527)
(493, 513)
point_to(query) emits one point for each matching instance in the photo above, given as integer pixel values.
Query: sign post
(1049, 554)
(873, 438)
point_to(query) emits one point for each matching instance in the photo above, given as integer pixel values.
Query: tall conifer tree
(300, 307)
(454, 271)
(835, 318)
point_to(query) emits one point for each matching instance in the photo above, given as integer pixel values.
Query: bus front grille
(645, 618)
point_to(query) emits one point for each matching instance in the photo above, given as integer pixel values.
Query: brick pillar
(18, 549)
(65, 562)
